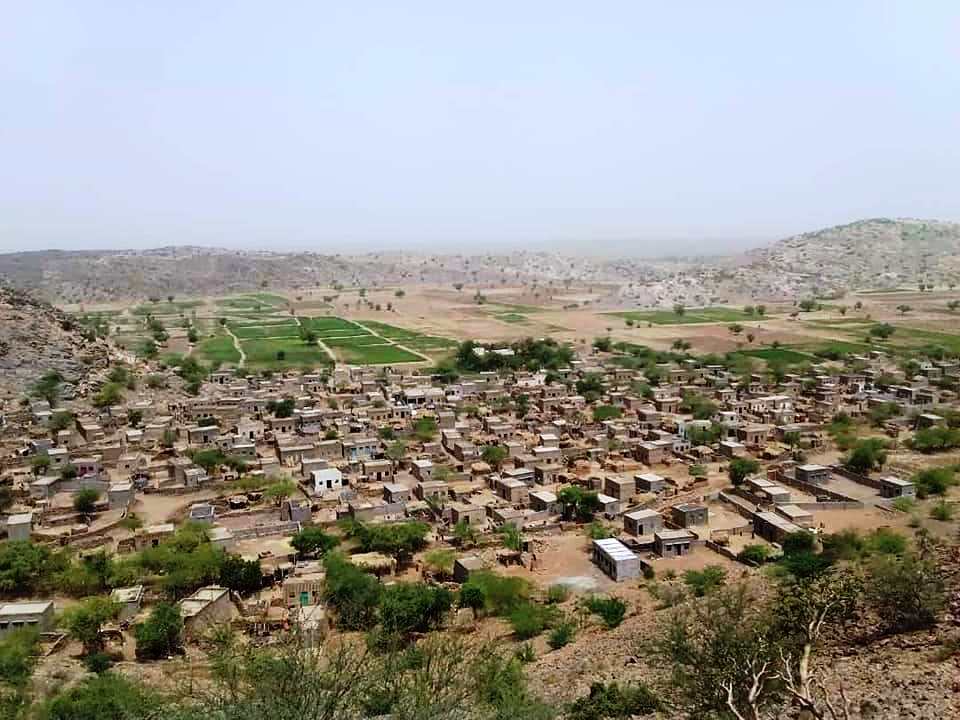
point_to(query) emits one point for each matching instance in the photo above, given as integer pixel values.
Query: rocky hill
(873, 253)
(878, 253)
(35, 338)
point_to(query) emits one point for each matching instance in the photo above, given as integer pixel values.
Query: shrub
(934, 481)
(904, 504)
(941, 511)
(413, 607)
(612, 701)
(353, 594)
(610, 609)
(529, 620)
(598, 531)
(884, 541)
(562, 635)
(756, 554)
(557, 594)
(500, 594)
(525, 653)
(161, 634)
(704, 581)
(905, 592)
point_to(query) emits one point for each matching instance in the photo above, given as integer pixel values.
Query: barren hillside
(36, 338)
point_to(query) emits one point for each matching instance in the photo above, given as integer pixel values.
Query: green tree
(578, 503)
(868, 454)
(85, 501)
(85, 621)
(741, 468)
(313, 541)
(905, 591)
(425, 428)
(413, 607)
(353, 594)
(161, 634)
(494, 455)
(241, 576)
(106, 696)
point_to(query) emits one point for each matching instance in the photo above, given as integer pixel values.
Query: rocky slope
(878, 253)
(35, 338)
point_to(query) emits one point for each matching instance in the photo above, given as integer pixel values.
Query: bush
(525, 653)
(799, 542)
(413, 607)
(557, 594)
(667, 595)
(884, 541)
(756, 554)
(102, 696)
(598, 531)
(704, 581)
(561, 635)
(85, 501)
(904, 504)
(161, 634)
(905, 592)
(942, 511)
(529, 620)
(353, 594)
(500, 594)
(17, 656)
(610, 609)
(612, 701)
(934, 481)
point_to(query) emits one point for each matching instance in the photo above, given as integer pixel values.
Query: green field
(411, 338)
(778, 355)
(690, 316)
(276, 330)
(327, 324)
(296, 353)
(512, 318)
(358, 341)
(166, 308)
(375, 355)
(219, 349)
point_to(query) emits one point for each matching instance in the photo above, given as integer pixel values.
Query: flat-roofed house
(813, 474)
(672, 543)
(616, 559)
(689, 514)
(208, 606)
(642, 522)
(33, 614)
(894, 487)
(327, 480)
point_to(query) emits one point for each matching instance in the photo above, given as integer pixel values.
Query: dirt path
(236, 344)
(320, 343)
(392, 342)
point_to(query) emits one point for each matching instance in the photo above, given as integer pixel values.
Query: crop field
(689, 316)
(375, 354)
(786, 356)
(166, 307)
(283, 353)
(275, 330)
(219, 349)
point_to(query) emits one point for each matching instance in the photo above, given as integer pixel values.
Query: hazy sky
(621, 126)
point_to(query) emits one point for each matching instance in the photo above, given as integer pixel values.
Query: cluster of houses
(354, 442)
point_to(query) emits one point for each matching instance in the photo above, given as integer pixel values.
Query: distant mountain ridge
(872, 253)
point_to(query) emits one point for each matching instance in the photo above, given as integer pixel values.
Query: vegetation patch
(375, 355)
(218, 349)
(282, 353)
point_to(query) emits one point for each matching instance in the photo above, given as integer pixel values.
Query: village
(588, 475)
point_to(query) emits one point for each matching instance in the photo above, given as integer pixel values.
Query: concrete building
(14, 616)
(642, 522)
(814, 474)
(327, 480)
(615, 559)
(689, 514)
(649, 482)
(892, 487)
(207, 607)
(129, 600)
(672, 543)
